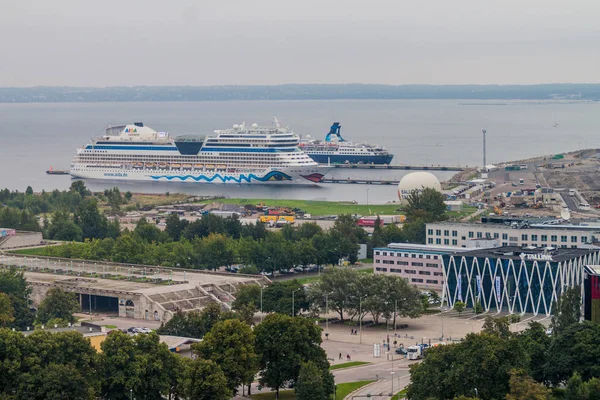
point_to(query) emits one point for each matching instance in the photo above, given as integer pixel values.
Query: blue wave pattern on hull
(271, 176)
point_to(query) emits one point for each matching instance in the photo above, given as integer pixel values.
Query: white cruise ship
(240, 155)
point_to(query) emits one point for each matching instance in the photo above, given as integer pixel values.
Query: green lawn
(37, 251)
(400, 395)
(347, 365)
(344, 389)
(321, 207)
(110, 326)
(283, 395)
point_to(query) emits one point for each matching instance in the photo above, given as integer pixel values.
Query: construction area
(131, 291)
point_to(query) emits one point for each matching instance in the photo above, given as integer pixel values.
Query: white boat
(256, 154)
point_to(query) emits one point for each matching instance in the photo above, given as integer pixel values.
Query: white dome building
(417, 181)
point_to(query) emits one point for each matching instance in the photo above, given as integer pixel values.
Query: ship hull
(271, 176)
(351, 159)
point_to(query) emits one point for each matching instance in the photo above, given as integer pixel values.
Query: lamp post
(293, 311)
(368, 201)
(261, 301)
(360, 316)
(395, 316)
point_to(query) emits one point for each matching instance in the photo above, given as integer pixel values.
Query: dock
(400, 167)
(353, 181)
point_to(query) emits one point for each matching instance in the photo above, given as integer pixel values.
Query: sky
(256, 42)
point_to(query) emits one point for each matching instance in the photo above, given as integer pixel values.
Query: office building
(520, 234)
(514, 279)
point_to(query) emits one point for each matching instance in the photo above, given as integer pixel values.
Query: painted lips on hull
(315, 177)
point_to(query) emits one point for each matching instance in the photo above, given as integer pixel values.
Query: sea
(36, 136)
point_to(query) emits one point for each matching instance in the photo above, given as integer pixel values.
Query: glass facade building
(512, 279)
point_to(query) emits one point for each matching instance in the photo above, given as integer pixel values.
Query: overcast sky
(221, 42)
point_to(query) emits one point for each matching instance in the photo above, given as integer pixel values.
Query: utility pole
(484, 158)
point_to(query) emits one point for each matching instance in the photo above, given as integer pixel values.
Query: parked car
(401, 350)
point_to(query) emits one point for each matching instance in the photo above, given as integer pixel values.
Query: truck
(571, 192)
(417, 351)
(521, 181)
(268, 219)
(369, 222)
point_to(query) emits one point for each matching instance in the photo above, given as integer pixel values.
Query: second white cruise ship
(256, 154)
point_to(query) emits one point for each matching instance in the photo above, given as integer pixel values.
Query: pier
(400, 167)
(358, 181)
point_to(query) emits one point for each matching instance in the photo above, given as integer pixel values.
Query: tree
(14, 285)
(574, 350)
(427, 204)
(92, 223)
(63, 228)
(277, 297)
(119, 368)
(522, 387)
(194, 324)
(459, 307)
(284, 343)
(481, 361)
(339, 284)
(58, 304)
(153, 356)
(55, 382)
(567, 310)
(247, 300)
(535, 342)
(29, 191)
(496, 326)
(230, 344)
(206, 381)
(311, 385)
(6, 311)
(579, 390)
(79, 187)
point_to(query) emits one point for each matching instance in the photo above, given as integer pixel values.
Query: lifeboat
(198, 166)
(210, 166)
(175, 166)
(187, 166)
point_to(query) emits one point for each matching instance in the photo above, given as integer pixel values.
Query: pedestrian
(340, 357)
(327, 336)
(351, 331)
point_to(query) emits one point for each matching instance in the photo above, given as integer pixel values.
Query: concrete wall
(22, 239)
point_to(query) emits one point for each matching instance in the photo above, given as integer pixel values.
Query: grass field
(347, 365)
(283, 395)
(321, 207)
(344, 389)
(37, 251)
(400, 395)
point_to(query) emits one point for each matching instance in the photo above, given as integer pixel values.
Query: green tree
(206, 381)
(153, 356)
(567, 310)
(58, 304)
(6, 311)
(459, 307)
(414, 231)
(481, 361)
(522, 387)
(377, 239)
(29, 191)
(62, 227)
(311, 385)
(579, 390)
(536, 343)
(93, 224)
(427, 204)
(13, 351)
(247, 300)
(230, 344)
(14, 285)
(119, 368)
(496, 326)
(55, 382)
(79, 187)
(574, 350)
(284, 343)
(277, 297)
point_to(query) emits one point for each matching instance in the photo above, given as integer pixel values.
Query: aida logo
(129, 130)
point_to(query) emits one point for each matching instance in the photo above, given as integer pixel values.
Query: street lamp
(360, 316)
(293, 311)
(326, 313)
(368, 201)
(261, 301)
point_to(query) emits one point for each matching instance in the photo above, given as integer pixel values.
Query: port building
(513, 279)
(522, 234)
